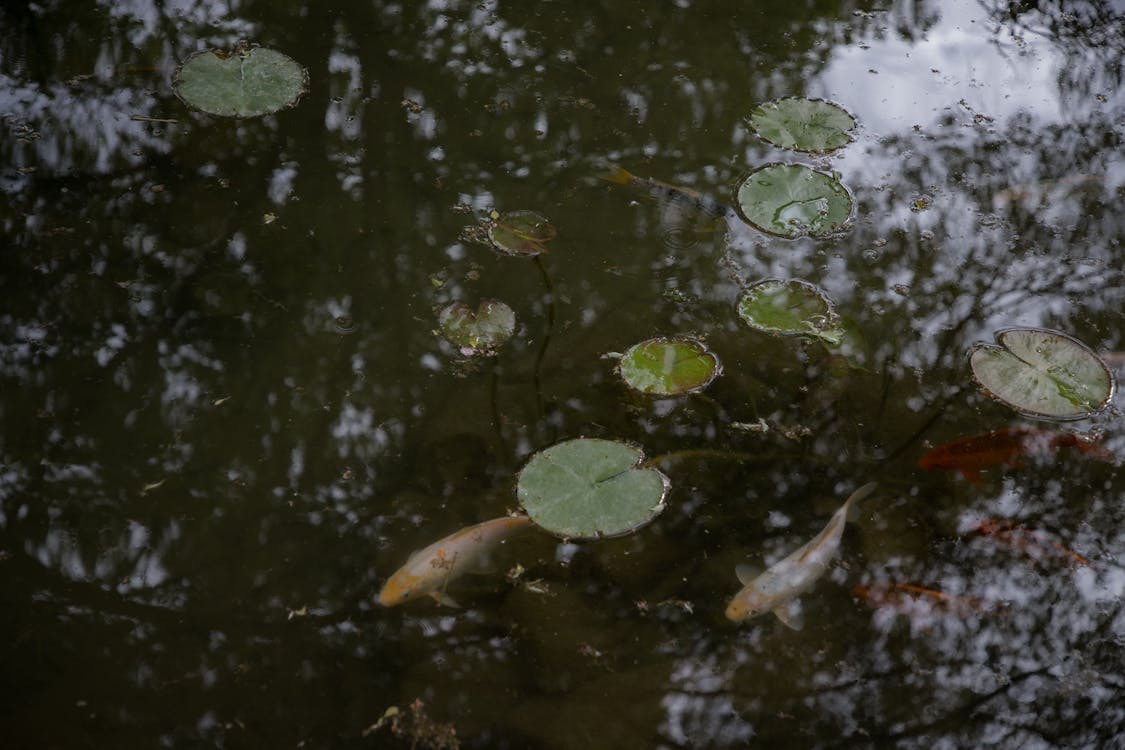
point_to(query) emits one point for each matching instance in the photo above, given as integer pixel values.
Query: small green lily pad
(590, 488)
(669, 366)
(790, 308)
(792, 200)
(1042, 373)
(521, 233)
(799, 124)
(479, 331)
(246, 82)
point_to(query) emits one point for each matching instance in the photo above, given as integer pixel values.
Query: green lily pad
(246, 82)
(521, 233)
(792, 200)
(589, 488)
(479, 331)
(791, 308)
(1042, 373)
(809, 125)
(669, 366)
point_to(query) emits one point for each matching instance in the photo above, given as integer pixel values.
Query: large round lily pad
(790, 308)
(479, 331)
(792, 200)
(246, 82)
(521, 233)
(1042, 373)
(589, 488)
(799, 124)
(669, 366)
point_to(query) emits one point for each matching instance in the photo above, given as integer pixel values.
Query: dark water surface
(227, 417)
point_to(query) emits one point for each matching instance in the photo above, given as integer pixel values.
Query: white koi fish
(429, 571)
(777, 588)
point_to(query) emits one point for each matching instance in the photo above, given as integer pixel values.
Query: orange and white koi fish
(429, 571)
(1038, 545)
(669, 193)
(970, 455)
(777, 588)
(907, 598)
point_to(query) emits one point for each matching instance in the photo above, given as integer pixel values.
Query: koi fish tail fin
(858, 495)
(862, 492)
(617, 175)
(855, 497)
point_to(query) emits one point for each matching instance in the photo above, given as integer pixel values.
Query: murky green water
(227, 418)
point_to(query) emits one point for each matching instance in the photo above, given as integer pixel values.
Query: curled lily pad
(790, 308)
(479, 331)
(1042, 373)
(246, 82)
(521, 233)
(669, 366)
(589, 488)
(810, 125)
(792, 200)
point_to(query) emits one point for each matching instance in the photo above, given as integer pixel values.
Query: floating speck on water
(344, 324)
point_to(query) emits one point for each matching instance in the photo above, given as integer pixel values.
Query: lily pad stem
(707, 454)
(537, 376)
(494, 387)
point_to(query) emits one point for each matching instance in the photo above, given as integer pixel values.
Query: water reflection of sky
(961, 62)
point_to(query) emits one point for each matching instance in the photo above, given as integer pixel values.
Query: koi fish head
(402, 587)
(746, 604)
(935, 459)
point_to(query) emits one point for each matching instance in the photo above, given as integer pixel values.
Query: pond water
(228, 415)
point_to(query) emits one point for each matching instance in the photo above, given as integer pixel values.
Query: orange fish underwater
(662, 191)
(1008, 447)
(907, 598)
(1035, 544)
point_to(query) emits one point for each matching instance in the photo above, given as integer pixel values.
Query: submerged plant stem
(537, 376)
(494, 387)
(710, 453)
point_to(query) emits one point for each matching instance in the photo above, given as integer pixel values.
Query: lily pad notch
(589, 488)
(248, 81)
(1042, 373)
(793, 200)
